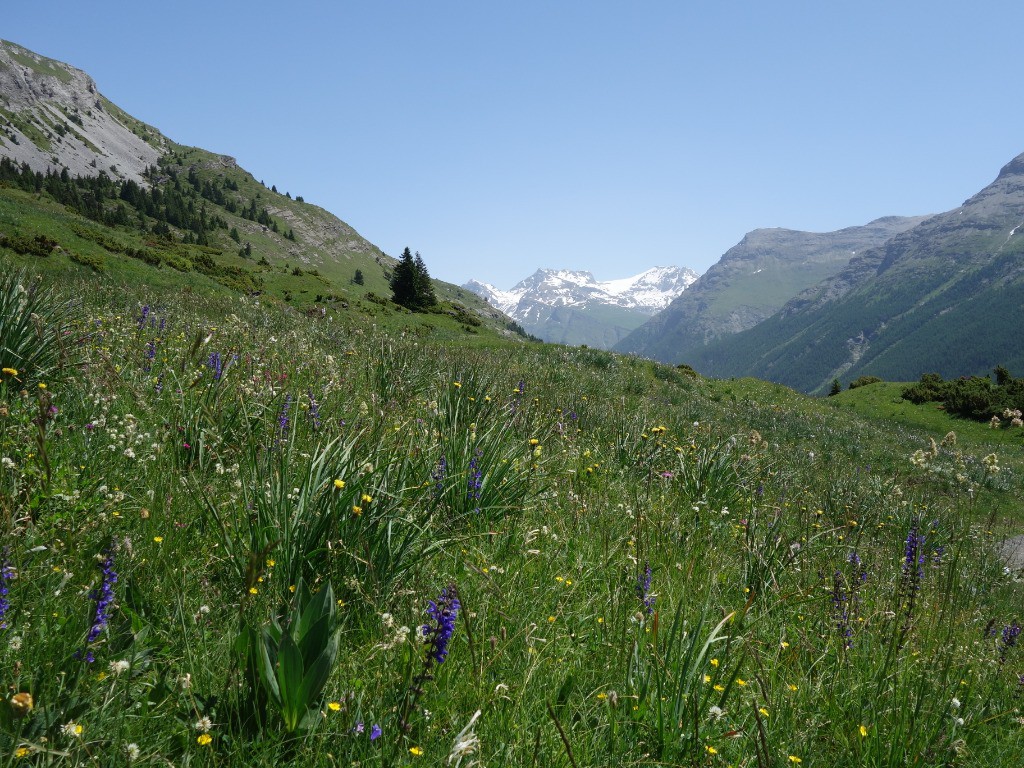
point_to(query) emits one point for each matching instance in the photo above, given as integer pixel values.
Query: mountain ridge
(945, 296)
(751, 281)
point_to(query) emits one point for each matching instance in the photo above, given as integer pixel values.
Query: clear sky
(496, 138)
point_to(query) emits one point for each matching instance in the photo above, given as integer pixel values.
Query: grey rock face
(52, 116)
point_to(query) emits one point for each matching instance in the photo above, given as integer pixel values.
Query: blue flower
(6, 573)
(444, 611)
(103, 596)
(375, 732)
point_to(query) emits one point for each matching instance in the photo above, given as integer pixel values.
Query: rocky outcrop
(53, 117)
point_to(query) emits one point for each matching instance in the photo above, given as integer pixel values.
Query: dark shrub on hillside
(863, 381)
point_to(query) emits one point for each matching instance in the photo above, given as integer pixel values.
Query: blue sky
(609, 136)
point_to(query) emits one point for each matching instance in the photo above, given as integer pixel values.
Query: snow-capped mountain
(571, 307)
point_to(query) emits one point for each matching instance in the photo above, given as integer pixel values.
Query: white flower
(716, 712)
(185, 681)
(955, 703)
(14, 643)
(203, 724)
(132, 751)
(71, 729)
(119, 666)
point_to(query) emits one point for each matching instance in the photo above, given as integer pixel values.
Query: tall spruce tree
(403, 281)
(424, 288)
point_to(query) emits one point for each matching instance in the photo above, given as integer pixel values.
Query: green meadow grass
(652, 568)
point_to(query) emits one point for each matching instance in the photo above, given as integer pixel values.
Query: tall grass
(651, 570)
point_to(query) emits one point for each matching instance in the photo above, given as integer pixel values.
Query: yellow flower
(763, 711)
(158, 539)
(415, 751)
(740, 681)
(602, 695)
(11, 371)
(707, 678)
(339, 484)
(719, 688)
(792, 687)
(334, 706)
(271, 563)
(20, 751)
(42, 385)
(711, 750)
(714, 662)
(357, 510)
(366, 499)
(795, 759)
(204, 738)
(863, 731)
(253, 591)
(534, 441)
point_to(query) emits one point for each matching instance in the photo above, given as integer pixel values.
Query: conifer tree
(424, 288)
(403, 281)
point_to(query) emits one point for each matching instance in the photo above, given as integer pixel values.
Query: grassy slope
(83, 243)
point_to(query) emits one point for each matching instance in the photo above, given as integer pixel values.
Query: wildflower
(314, 410)
(643, 589)
(1008, 640)
(21, 751)
(71, 729)
(444, 611)
(118, 667)
(415, 751)
(863, 731)
(475, 482)
(795, 759)
(132, 751)
(158, 539)
(339, 484)
(375, 732)
(204, 739)
(203, 724)
(6, 574)
(334, 706)
(11, 371)
(216, 365)
(716, 712)
(711, 750)
(438, 475)
(21, 704)
(357, 510)
(104, 598)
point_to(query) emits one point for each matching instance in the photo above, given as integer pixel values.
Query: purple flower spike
(444, 611)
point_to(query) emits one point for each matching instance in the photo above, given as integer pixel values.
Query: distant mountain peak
(573, 307)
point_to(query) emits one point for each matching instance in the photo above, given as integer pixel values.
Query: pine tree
(358, 277)
(403, 281)
(424, 287)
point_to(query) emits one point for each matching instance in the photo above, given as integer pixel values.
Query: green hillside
(943, 297)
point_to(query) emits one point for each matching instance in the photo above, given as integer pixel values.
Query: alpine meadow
(269, 496)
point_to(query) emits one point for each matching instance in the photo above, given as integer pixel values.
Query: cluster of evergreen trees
(410, 283)
(167, 203)
(971, 397)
